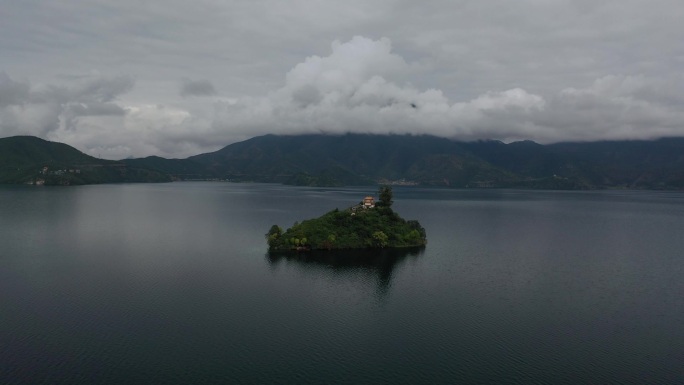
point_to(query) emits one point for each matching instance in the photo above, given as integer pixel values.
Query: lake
(171, 284)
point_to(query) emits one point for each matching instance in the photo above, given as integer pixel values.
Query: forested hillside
(30, 160)
(357, 159)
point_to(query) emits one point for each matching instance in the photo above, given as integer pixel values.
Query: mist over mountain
(364, 159)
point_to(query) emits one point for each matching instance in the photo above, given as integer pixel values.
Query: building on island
(368, 202)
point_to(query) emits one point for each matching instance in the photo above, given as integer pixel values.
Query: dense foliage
(353, 228)
(327, 160)
(354, 159)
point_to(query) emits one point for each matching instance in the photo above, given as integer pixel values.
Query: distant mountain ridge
(427, 160)
(363, 159)
(31, 160)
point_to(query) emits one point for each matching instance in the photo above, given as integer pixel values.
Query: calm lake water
(171, 284)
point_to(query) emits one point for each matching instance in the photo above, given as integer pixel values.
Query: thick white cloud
(349, 91)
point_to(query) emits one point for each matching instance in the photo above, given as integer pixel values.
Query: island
(366, 225)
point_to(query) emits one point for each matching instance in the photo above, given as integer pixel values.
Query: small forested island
(367, 225)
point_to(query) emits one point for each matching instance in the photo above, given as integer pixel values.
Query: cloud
(44, 110)
(352, 90)
(94, 109)
(616, 107)
(360, 85)
(12, 92)
(196, 88)
(87, 113)
(540, 70)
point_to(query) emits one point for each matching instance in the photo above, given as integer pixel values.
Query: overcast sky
(176, 78)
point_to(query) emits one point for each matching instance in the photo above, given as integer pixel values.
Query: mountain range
(363, 159)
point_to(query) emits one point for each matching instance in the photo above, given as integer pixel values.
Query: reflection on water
(379, 263)
(168, 283)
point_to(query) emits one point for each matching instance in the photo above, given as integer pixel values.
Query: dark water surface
(170, 283)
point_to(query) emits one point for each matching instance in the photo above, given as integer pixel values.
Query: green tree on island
(381, 239)
(353, 228)
(385, 195)
(273, 234)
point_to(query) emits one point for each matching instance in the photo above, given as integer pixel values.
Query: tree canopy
(385, 195)
(352, 228)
